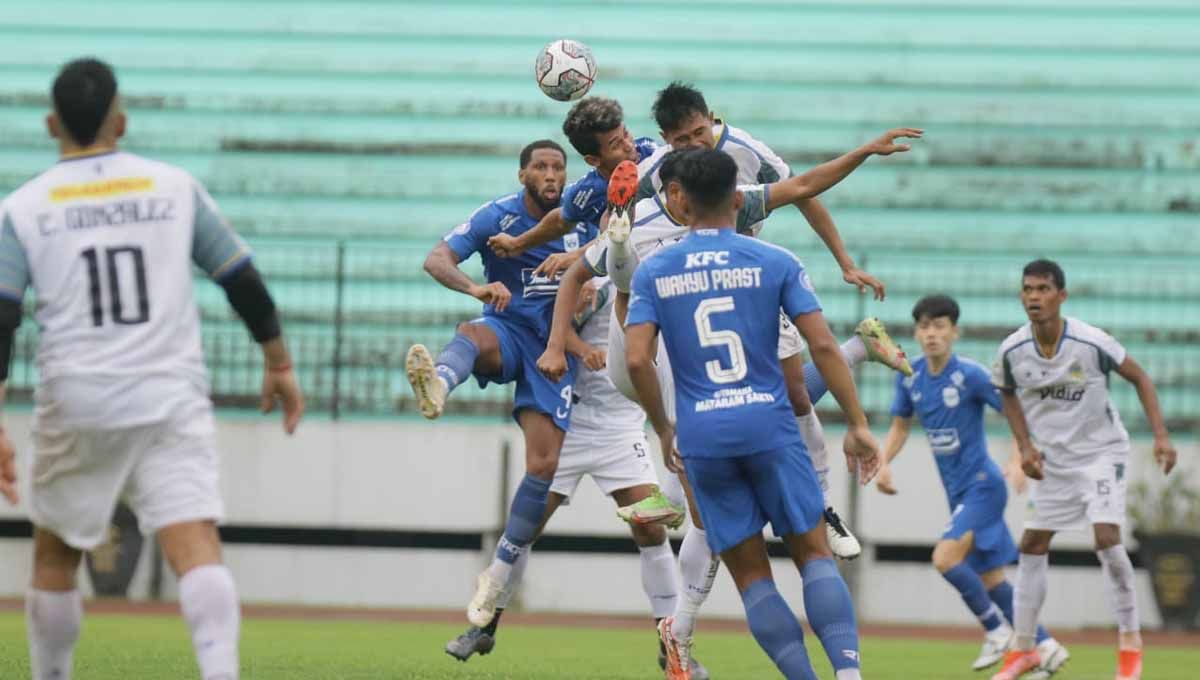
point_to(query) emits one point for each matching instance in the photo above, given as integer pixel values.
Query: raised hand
(886, 144)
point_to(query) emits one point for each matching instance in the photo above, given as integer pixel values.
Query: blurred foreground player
(107, 240)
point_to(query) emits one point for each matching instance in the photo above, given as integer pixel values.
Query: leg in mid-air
(621, 258)
(474, 349)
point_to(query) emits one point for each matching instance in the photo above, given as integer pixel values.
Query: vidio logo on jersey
(1072, 390)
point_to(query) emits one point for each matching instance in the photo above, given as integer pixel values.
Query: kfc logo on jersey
(570, 241)
(707, 257)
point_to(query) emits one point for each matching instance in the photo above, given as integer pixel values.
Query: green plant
(1171, 505)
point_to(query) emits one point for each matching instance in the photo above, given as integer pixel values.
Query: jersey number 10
(96, 283)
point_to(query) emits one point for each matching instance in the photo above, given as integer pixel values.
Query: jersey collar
(83, 155)
(722, 134)
(663, 207)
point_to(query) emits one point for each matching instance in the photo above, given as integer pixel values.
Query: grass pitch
(140, 647)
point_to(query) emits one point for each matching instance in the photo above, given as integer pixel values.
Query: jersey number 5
(112, 261)
(730, 340)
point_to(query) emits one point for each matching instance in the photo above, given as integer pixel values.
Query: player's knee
(541, 464)
(648, 534)
(1107, 535)
(54, 564)
(948, 554)
(1035, 543)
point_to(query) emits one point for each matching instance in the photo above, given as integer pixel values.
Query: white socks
(209, 602)
(621, 260)
(53, 621)
(698, 565)
(516, 575)
(1030, 594)
(1118, 576)
(854, 351)
(660, 578)
(814, 440)
(672, 488)
(849, 674)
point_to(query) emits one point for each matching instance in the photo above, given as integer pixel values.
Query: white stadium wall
(437, 488)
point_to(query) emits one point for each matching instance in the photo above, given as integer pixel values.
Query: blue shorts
(737, 496)
(520, 348)
(980, 509)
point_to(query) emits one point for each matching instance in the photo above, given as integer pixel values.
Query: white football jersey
(1071, 416)
(757, 164)
(107, 242)
(601, 411)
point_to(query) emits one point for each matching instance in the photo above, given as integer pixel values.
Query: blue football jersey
(585, 199)
(715, 297)
(532, 296)
(950, 406)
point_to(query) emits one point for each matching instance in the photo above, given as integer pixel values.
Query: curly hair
(590, 117)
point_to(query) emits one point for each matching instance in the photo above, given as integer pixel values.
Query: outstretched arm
(442, 264)
(551, 226)
(826, 175)
(1164, 451)
(822, 222)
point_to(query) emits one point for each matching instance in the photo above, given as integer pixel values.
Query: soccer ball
(565, 70)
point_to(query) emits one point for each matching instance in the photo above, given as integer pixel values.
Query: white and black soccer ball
(565, 70)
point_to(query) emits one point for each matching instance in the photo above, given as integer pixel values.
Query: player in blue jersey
(716, 297)
(596, 129)
(949, 393)
(503, 345)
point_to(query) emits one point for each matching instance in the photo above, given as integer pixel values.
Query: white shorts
(1074, 498)
(790, 341)
(614, 463)
(618, 372)
(167, 472)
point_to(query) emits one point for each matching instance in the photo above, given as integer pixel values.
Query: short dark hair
(1046, 269)
(936, 306)
(668, 169)
(83, 93)
(709, 179)
(676, 103)
(590, 117)
(527, 152)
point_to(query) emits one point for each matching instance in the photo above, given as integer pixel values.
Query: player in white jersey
(685, 122)
(107, 241)
(1053, 376)
(606, 441)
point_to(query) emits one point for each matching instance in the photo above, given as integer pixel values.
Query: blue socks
(528, 506)
(967, 583)
(1002, 595)
(814, 382)
(456, 361)
(831, 613)
(776, 630)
